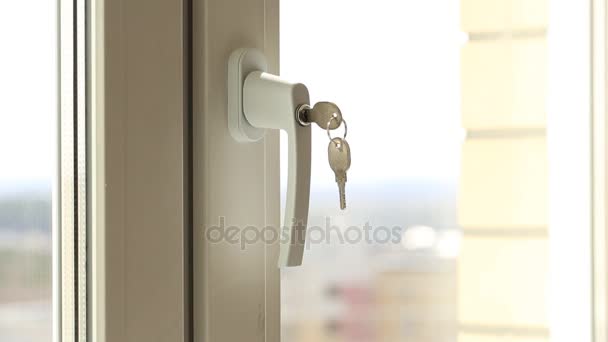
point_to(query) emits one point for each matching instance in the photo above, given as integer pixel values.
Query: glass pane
(447, 232)
(28, 84)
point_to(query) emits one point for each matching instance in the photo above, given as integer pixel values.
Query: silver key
(338, 153)
(323, 114)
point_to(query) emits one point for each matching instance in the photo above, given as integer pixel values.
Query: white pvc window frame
(70, 231)
(139, 167)
(599, 131)
(122, 255)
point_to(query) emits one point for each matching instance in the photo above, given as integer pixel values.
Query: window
(447, 105)
(471, 214)
(28, 84)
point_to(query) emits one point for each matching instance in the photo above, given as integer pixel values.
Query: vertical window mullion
(73, 171)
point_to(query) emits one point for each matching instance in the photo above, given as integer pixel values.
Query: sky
(395, 75)
(28, 90)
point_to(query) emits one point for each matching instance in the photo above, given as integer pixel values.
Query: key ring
(334, 117)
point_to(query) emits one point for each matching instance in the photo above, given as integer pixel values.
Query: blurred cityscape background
(25, 262)
(446, 108)
(403, 290)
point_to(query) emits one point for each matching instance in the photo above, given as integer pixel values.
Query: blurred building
(373, 291)
(503, 266)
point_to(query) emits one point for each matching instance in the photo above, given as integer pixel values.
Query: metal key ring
(334, 117)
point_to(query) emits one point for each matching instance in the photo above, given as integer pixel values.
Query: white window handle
(258, 101)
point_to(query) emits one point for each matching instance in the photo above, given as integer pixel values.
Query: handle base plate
(242, 62)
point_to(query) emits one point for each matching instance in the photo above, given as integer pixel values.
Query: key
(338, 153)
(323, 112)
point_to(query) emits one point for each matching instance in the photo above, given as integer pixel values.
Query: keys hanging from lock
(328, 116)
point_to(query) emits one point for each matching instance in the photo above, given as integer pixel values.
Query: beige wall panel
(503, 183)
(498, 338)
(503, 282)
(503, 84)
(503, 15)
